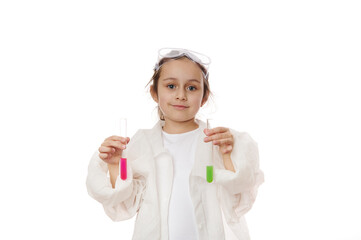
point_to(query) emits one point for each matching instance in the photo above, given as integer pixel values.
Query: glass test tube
(210, 161)
(123, 159)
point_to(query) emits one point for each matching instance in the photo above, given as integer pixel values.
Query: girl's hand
(222, 137)
(112, 148)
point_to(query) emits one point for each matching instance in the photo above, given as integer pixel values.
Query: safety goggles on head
(175, 53)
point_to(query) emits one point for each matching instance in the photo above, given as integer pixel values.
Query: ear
(205, 98)
(153, 93)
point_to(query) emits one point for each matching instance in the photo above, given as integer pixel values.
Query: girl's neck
(174, 127)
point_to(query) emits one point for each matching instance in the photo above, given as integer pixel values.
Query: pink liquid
(123, 168)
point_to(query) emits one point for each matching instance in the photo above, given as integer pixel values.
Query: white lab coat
(148, 188)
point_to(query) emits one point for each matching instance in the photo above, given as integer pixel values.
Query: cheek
(162, 98)
(197, 100)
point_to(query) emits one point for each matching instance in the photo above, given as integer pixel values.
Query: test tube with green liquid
(211, 160)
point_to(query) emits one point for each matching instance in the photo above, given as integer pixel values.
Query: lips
(180, 107)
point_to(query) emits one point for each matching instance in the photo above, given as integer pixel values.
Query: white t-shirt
(181, 218)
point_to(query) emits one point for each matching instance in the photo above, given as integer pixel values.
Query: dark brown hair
(155, 79)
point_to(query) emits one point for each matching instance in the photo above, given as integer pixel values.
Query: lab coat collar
(154, 136)
(203, 154)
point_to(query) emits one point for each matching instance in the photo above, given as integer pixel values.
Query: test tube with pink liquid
(123, 159)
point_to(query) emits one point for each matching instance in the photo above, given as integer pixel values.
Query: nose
(181, 94)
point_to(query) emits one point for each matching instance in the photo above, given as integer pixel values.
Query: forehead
(181, 69)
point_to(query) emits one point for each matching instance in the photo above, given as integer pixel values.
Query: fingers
(222, 137)
(219, 136)
(212, 131)
(224, 141)
(104, 149)
(226, 149)
(117, 138)
(116, 141)
(112, 145)
(103, 156)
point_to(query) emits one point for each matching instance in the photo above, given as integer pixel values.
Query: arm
(121, 202)
(110, 152)
(114, 173)
(228, 164)
(238, 190)
(121, 199)
(222, 137)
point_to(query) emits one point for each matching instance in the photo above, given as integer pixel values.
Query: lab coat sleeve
(121, 202)
(238, 190)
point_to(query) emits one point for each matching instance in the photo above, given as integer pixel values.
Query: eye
(192, 88)
(170, 86)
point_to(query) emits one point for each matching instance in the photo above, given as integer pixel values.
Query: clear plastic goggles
(175, 53)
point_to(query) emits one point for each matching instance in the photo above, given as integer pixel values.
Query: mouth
(180, 107)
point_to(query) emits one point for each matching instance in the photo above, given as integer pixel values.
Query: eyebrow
(189, 80)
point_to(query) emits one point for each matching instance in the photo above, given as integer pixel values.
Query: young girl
(167, 185)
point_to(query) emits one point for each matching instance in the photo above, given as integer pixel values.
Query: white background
(287, 72)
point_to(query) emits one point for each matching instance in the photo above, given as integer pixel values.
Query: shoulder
(146, 135)
(138, 134)
(244, 144)
(245, 148)
(243, 137)
(138, 137)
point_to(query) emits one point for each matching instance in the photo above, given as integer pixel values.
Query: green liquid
(209, 174)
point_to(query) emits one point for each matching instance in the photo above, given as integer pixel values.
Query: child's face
(180, 90)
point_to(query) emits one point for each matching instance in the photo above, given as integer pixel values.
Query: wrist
(113, 164)
(228, 164)
(113, 172)
(113, 167)
(227, 157)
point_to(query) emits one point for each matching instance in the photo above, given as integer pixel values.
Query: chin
(179, 118)
(180, 115)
